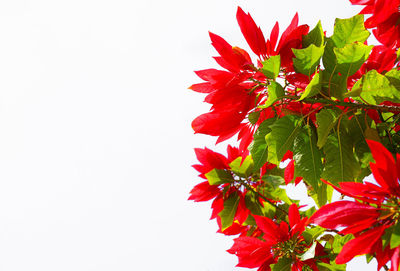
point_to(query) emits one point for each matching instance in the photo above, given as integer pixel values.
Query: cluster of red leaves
(374, 212)
(279, 241)
(385, 19)
(232, 92)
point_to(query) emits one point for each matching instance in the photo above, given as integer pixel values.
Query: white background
(95, 137)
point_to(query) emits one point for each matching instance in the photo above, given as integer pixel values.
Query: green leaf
(377, 88)
(329, 57)
(346, 32)
(253, 206)
(307, 59)
(313, 88)
(331, 266)
(281, 138)
(273, 181)
(219, 176)
(326, 120)
(227, 215)
(311, 234)
(253, 117)
(339, 241)
(351, 57)
(280, 195)
(315, 36)
(259, 148)
(244, 169)
(360, 132)
(350, 30)
(394, 77)
(271, 190)
(334, 84)
(308, 161)
(395, 238)
(340, 163)
(275, 92)
(283, 264)
(271, 67)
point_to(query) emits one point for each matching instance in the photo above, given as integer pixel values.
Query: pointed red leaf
(251, 33)
(360, 245)
(342, 214)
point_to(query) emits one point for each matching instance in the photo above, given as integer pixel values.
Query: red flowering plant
(317, 110)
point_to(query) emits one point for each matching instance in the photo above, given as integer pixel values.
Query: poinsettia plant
(312, 109)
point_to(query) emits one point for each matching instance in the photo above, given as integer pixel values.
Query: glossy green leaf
(271, 67)
(395, 238)
(339, 241)
(259, 148)
(315, 36)
(253, 117)
(281, 138)
(308, 161)
(252, 204)
(333, 84)
(275, 92)
(360, 132)
(331, 266)
(376, 88)
(311, 234)
(307, 59)
(219, 176)
(329, 57)
(313, 88)
(326, 120)
(346, 32)
(340, 163)
(349, 30)
(283, 264)
(273, 181)
(244, 169)
(227, 215)
(351, 57)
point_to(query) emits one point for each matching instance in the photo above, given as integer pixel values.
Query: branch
(382, 108)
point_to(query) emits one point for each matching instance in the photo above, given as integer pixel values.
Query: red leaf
(360, 245)
(202, 87)
(204, 192)
(384, 168)
(211, 159)
(342, 214)
(251, 33)
(233, 60)
(251, 251)
(289, 172)
(270, 229)
(294, 215)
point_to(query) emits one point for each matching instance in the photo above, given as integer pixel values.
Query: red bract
(291, 38)
(367, 221)
(252, 33)
(279, 241)
(385, 20)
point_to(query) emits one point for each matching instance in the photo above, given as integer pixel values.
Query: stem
(382, 108)
(386, 268)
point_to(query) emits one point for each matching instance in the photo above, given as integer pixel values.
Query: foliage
(329, 107)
